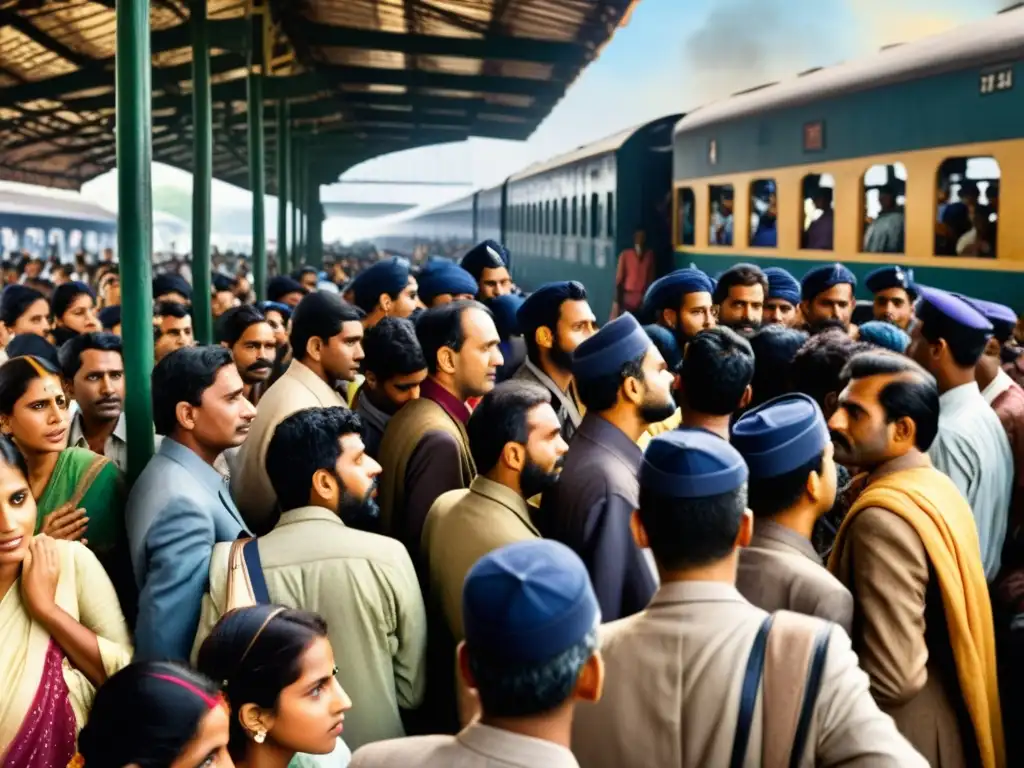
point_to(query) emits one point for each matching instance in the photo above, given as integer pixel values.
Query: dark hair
(501, 418)
(170, 309)
(774, 348)
(966, 345)
(15, 376)
(11, 456)
(392, 349)
(440, 327)
(183, 376)
(71, 351)
(31, 345)
(717, 369)
(145, 715)
(600, 393)
(771, 495)
(303, 443)
(304, 269)
(256, 657)
(684, 533)
(547, 315)
(319, 315)
(529, 689)
(15, 301)
(66, 293)
(915, 395)
(818, 364)
(233, 324)
(746, 275)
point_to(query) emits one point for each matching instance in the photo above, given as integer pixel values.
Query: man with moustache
(783, 298)
(740, 295)
(245, 331)
(625, 385)
(681, 301)
(555, 319)
(895, 294)
(325, 483)
(826, 297)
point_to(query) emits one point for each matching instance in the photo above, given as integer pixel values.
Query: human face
(576, 324)
(834, 304)
(448, 298)
(743, 308)
(920, 349)
(779, 312)
(658, 403)
(399, 390)
(893, 305)
(209, 747)
(695, 315)
(110, 290)
(292, 299)
(494, 282)
(39, 421)
(175, 333)
(829, 480)
(222, 302)
(309, 280)
(17, 515)
(35, 319)
(357, 474)
(342, 353)
(254, 353)
(99, 385)
(278, 325)
(80, 316)
(223, 418)
(476, 363)
(408, 301)
(310, 713)
(860, 433)
(545, 451)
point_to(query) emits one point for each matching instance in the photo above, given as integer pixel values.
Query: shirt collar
(505, 496)
(997, 386)
(373, 414)
(304, 514)
(321, 390)
(603, 433)
(777, 536)
(199, 469)
(120, 433)
(958, 397)
(676, 592)
(454, 407)
(503, 747)
(567, 398)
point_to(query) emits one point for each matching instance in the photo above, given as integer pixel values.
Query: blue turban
(885, 335)
(820, 279)
(446, 278)
(782, 285)
(390, 276)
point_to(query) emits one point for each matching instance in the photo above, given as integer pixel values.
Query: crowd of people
(407, 516)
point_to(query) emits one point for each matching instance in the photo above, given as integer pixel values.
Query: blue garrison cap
(822, 278)
(528, 602)
(444, 278)
(282, 285)
(390, 276)
(667, 292)
(891, 277)
(542, 303)
(163, 284)
(885, 335)
(110, 316)
(782, 285)
(604, 353)
(944, 307)
(67, 292)
(275, 306)
(487, 255)
(31, 345)
(781, 435)
(691, 464)
(1003, 319)
(667, 344)
(505, 309)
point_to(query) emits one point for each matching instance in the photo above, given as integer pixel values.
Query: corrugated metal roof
(362, 77)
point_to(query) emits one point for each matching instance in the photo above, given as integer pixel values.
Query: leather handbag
(246, 584)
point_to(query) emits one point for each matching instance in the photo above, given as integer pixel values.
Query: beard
(361, 513)
(745, 328)
(654, 412)
(560, 358)
(534, 479)
(828, 324)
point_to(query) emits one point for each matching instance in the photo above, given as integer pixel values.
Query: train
(925, 139)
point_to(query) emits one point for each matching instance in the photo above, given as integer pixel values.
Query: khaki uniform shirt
(476, 746)
(673, 675)
(365, 588)
(781, 571)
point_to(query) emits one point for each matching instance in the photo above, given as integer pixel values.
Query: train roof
(24, 204)
(990, 41)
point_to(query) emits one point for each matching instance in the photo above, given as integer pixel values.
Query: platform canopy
(362, 77)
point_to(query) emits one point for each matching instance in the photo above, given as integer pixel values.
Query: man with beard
(740, 295)
(895, 294)
(625, 385)
(245, 331)
(714, 380)
(908, 551)
(555, 319)
(783, 298)
(315, 559)
(826, 297)
(681, 301)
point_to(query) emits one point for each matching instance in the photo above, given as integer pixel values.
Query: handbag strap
(815, 673)
(748, 693)
(251, 553)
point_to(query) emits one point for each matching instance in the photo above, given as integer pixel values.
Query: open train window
(610, 215)
(967, 208)
(720, 223)
(685, 205)
(885, 195)
(764, 213)
(818, 213)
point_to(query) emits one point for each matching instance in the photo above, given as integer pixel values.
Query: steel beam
(283, 163)
(257, 172)
(295, 189)
(202, 173)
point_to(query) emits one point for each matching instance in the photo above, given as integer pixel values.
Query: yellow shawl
(943, 520)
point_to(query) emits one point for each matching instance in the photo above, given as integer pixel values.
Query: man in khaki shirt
(364, 585)
(674, 672)
(787, 447)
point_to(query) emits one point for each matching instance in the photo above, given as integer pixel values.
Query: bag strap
(251, 553)
(85, 482)
(811, 690)
(748, 693)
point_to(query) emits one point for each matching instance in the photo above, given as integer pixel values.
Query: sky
(671, 56)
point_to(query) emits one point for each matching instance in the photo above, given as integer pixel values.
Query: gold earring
(260, 736)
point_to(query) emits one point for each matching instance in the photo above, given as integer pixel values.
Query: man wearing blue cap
(681, 301)
(385, 289)
(285, 290)
(678, 673)
(793, 482)
(783, 298)
(555, 319)
(444, 282)
(531, 623)
(625, 385)
(971, 447)
(895, 294)
(739, 295)
(488, 264)
(827, 297)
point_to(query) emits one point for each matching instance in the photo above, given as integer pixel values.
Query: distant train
(42, 225)
(923, 142)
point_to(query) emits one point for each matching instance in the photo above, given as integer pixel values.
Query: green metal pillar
(283, 162)
(303, 203)
(134, 95)
(296, 197)
(202, 172)
(257, 173)
(314, 237)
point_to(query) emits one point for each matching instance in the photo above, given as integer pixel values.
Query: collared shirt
(116, 446)
(997, 386)
(567, 406)
(454, 407)
(972, 448)
(476, 746)
(885, 235)
(633, 274)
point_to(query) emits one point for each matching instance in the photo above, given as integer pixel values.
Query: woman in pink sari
(61, 630)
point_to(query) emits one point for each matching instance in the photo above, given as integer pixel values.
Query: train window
(967, 215)
(686, 203)
(584, 221)
(565, 217)
(595, 215)
(885, 194)
(575, 216)
(818, 211)
(764, 210)
(721, 220)
(610, 214)
(547, 217)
